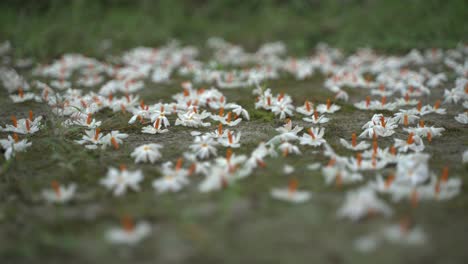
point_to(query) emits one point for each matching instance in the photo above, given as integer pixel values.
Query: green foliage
(49, 28)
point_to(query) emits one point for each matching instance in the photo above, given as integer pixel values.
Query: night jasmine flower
(59, 193)
(129, 233)
(291, 194)
(11, 145)
(147, 153)
(354, 145)
(119, 180)
(313, 137)
(204, 147)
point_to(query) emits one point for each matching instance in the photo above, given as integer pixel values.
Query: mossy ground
(241, 223)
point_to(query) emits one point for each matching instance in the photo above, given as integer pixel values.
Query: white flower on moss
(12, 145)
(59, 193)
(128, 233)
(147, 153)
(173, 179)
(291, 194)
(120, 180)
(313, 137)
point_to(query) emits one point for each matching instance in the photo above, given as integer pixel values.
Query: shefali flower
(291, 194)
(428, 109)
(283, 109)
(405, 117)
(257, 156)
(80, 119)
(378, 126)
(192, 119)
(316, 118)
(328, 108)
(114, 138)
(23, 126)
(204, 147)
(22, 96)
(425, 131)
(462, 118)
(307, 109)
(414, 143)
(287, 132)
(404, 234)
(289, 148)
(313, 137)
(147, 153)
(59, 193)
(406, 101)
(226, 119)
(156, 128)
(91, 139)
(119, 180)
(231, 141)
(11, 145)
(217, 178)
(361, 203)
(354, 145)
(382, 104)
(218, 133)
(129, 233)
(173, 179)
(161, 116)
(339, 175)
(238, 110)
(412, 169)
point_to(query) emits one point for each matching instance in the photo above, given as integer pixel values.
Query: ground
(241, 223)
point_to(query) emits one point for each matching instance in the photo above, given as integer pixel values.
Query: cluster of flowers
(385, 77)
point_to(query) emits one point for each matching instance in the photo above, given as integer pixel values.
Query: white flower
(114, 138)
(462, 118)
(328, 108)
(59, 193)
(238, 110)
(316, 119)
(24, 125)
(173, 179)
(339, 176)
(465, 156)
(147, 153)
(360, 203)
(307, 109)
(402, 234)
(291, 194)
(204, 147)
(288, 169)
(192, 119)
(314, 137)
(156, 128)
(121, 180)
(288, 148)
(91, 139)
(406, 117)
(287, 133)
(216, 178)
(414, 143)
(129, 233)
(354, 146)
(22, 96)
(11, 145)
(283, 109)
(413, 168)
(231, 141)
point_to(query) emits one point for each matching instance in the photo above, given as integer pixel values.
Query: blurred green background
(49, 28)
